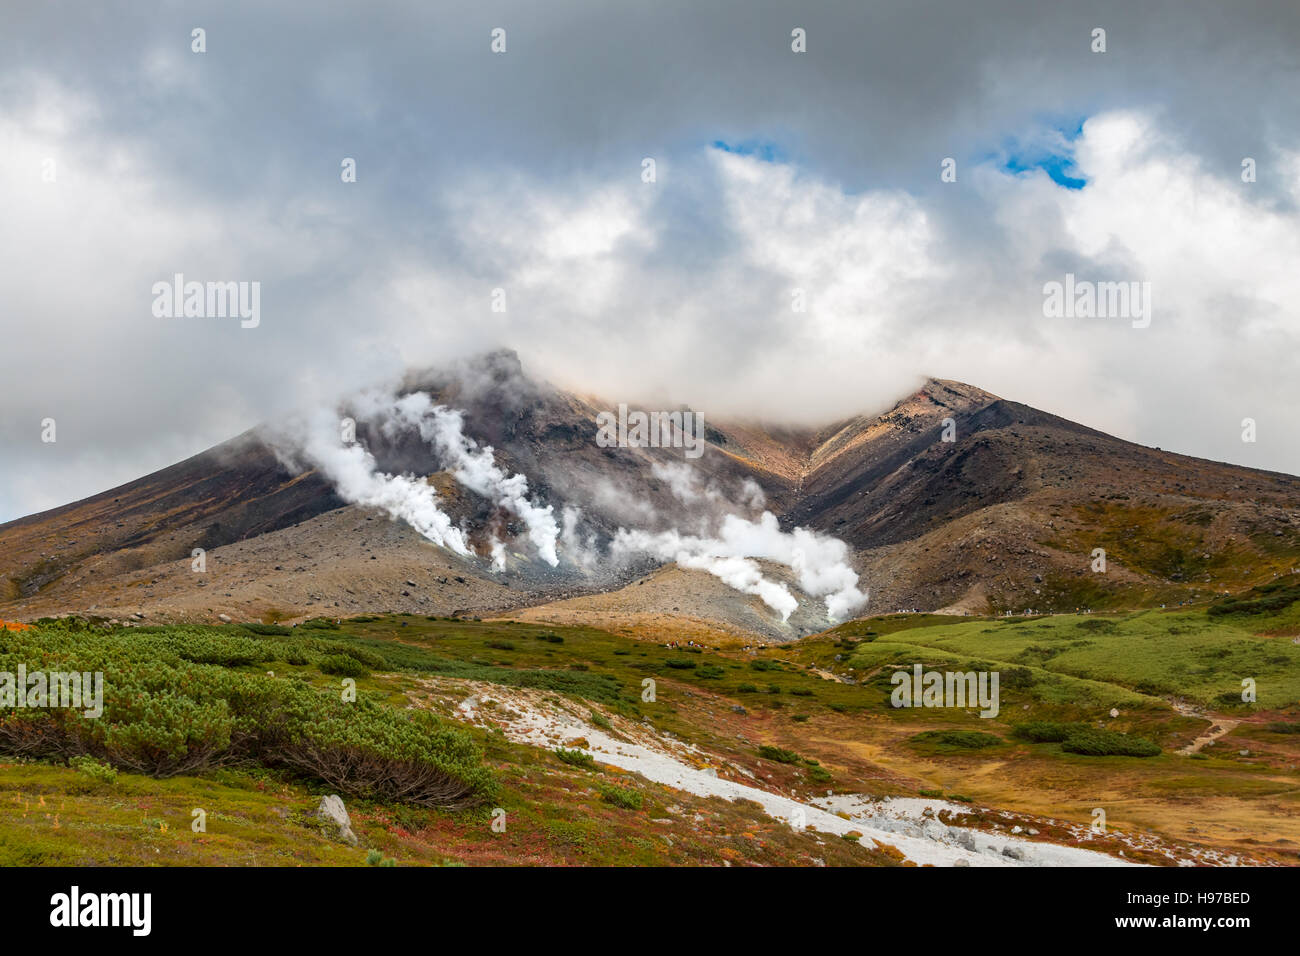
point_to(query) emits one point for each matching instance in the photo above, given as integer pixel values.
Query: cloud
(523, 172)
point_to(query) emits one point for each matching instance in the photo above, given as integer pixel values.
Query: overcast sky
(775, 170)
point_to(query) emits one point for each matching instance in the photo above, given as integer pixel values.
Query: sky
(796, 257)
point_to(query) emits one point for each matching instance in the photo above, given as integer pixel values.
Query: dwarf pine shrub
(165, 714)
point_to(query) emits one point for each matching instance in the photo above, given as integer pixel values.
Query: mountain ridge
(1004, 517)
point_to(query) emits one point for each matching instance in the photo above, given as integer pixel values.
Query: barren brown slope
(1007, 516)
(235, 491)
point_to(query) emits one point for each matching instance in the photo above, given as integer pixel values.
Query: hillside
(1003, 518)
(560, 753)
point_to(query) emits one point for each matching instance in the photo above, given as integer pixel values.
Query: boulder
(332, 813)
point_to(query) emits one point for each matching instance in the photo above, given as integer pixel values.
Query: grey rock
(332, 812)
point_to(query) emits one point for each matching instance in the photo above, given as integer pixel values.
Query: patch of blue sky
(1052, 151)
(761, 149)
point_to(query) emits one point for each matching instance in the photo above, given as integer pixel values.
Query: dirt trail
(1219, 727)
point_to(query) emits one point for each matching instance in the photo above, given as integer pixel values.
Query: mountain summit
(954, 499)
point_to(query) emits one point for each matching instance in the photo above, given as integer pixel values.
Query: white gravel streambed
(908, 824)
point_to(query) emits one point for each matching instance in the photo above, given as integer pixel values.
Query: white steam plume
(581, 552)
(498, 555)
(476, 468)
(358, 480)
(819, 562)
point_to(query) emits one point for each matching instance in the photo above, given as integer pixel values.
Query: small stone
(332, 812)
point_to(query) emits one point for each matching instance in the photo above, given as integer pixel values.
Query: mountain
(1006, 516)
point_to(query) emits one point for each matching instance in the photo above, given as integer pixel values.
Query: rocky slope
(1005, 516)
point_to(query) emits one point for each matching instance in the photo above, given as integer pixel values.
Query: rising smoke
(476, 467)
(727, 544)
(820, 562)
(358, 479)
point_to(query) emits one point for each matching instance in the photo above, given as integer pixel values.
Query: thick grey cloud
(522, 171)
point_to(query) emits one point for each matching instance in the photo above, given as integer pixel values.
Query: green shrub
(956, 739)
(1043, 731)
(320, 624)
(1108, 743)
(601, 721)
(778, 754)
(342, 665)
(1267, 598)
(621, 797)
(682, 665)
(501, 645)
(295, 656)
(576, 758)
(747, 689)
(1018, 677)
(163, 714)
(266, 630)
(361, 655)
(94, 769)
(709, 672)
